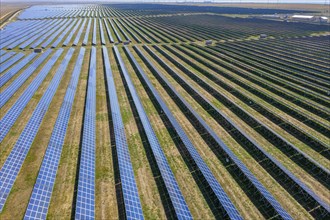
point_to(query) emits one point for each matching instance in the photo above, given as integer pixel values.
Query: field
(127, 113)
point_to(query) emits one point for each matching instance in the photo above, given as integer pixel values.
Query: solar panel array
(6, 56)
(132, 203)
(266, 194)
(68, 38)
(10, 62)
(85, 40)
(221, 195)
(94, 33)
(11, 116)
(76, 40)
(85, 203)
(18, 82)
(14, 161)
(108, 31)
(177, 199)
(42, 191)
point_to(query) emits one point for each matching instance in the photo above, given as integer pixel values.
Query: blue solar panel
(22, 39)
(54, 35)
(67, 40)
(15, 69)
(59, 23)
(85, 204)
(121, 30)
(10, 62)
(266, 194)
(101, 32)
(6, 56)
(13, 163)
(23, 33)
(108, 31)
(85, 41)
(208, 175)
(130, 192)
(14, 86)
(59, 38)
(40, 34)
(94, 33)
(114, 29)
(42, 191)
(177, 199)
(76, 40)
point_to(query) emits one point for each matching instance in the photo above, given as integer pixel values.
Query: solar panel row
(22, 33)
(14, 86)
(27, 37)
(15, 69)
(121, 30)
(10, 62)
(94, 33)
(108, 31)
(14, 161)
(115, 31)
(221, 195)
(43, 187)
(54, 35)
(172, 187)
(32, 37)
(101, 32)
(76, 40)
(6, 56)
(67, 40)
(84, 43)
(59, 38)
(47, 34)
(133, 209)
(264, 192)
(85, 203)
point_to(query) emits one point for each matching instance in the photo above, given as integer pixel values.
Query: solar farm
(160, 111)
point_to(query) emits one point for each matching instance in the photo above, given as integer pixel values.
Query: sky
(255, 1)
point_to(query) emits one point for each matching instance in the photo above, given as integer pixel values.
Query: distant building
(263, 36)
(38, 50)
(208, 42)
(303, 18)
(324, 19)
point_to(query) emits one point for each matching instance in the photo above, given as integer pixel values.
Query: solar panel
(101, 32)
(15, 69)
(42, 191)
(108, 31)
(30, 35)
(94, 33)
(85, 203)
(30, 40)
(6, 56)
(14, 161)
(10, 62)
(227, 150)
(130, 192)
(221, 195)
(114, 29)
(85, 41)
(172, 186)
(76, 40)
(14, 86)
(22, 33)
(59, 23)
(54, 35)
(59, 39)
